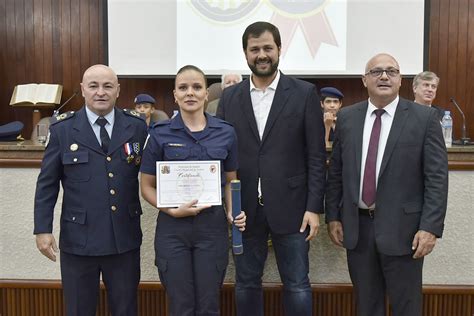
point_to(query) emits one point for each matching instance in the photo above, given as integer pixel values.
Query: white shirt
(386, 124)
(92, 117)
(262, 102)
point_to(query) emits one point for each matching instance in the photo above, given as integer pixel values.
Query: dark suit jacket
(413, 178)
(89, 225)
(290, 159)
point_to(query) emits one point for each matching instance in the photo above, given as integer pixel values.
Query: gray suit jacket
(413, 178)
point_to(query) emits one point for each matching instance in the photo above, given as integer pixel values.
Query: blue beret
(331, 92)
(10, 131)
(144, 98)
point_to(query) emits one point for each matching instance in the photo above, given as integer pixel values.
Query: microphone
(56, 112)
(464, 139)
(237, 247)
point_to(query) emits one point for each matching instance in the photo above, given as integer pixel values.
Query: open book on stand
(36, 95)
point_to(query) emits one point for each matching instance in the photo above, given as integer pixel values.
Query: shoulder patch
(132, 113)
(61, 117)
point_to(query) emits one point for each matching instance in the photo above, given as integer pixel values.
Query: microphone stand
(56, 112)
(464, 139)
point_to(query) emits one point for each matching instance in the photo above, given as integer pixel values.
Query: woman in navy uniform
(191, 243)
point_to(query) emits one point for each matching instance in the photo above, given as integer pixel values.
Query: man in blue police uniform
(95, 154)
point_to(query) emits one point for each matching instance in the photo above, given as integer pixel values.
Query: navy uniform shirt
(172, 140)
(101, 206)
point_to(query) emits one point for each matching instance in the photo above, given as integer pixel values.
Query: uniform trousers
(81, 280)
(192, 257)
(374, 275)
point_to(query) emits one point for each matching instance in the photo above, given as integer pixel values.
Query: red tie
(368, 186)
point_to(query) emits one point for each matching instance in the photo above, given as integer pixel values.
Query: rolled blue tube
(237, 246)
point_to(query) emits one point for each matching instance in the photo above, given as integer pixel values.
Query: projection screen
(319, 37)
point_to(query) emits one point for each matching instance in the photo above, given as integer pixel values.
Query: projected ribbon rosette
(225, 11)
(309, 16)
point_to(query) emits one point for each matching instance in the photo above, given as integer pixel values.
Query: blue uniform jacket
(101, 207)
(171, 140)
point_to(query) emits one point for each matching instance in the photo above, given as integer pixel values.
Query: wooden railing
(44, 298)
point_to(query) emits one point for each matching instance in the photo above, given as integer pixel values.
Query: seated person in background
(331, 102)
(227, 80)
(145, 104)
(425, 85)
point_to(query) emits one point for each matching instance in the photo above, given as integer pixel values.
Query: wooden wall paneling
(469, 106)
(10, 56)
(95, 28)
(38, 39)
(47, 75)
(75, 59)
(433, 38)
(452, 61)
(84, 34)
(442, 48)
(66, 50)
(4, 109)
(461, 70)
(20, 40)
(56, 7)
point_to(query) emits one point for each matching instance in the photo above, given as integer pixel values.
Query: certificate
(179, 182)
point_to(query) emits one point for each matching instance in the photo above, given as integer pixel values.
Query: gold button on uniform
(109, 158)
(113, 208)
(111, 175)
(112, 191)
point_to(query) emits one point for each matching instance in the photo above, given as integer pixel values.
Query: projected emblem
(309, 16)
(225, 11)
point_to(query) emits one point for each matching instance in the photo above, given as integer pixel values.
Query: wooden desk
(25, 154)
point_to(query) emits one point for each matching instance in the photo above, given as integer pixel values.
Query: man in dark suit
(387, 191)
(95, 154)
(279, 125)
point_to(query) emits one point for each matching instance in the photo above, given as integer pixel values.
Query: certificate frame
(179, 182)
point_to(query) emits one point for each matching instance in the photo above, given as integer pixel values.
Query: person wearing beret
(95, 155)
(145, 104)
(331, 102)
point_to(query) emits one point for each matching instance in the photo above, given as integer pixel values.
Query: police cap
(144, 98)
(331, 92)
(10, 131)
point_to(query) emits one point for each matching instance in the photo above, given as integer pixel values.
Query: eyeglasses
(377, 72)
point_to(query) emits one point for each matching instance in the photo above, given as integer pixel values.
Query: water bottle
(447, 126)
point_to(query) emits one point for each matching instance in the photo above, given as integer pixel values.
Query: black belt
(367, 212)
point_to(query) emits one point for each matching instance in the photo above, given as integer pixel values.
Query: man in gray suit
(387, 191)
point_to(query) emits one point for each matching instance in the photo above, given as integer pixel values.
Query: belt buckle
(371, 212)
(260, 200)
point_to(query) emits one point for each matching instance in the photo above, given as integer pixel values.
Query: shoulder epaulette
(62, 117)
(132, 113)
